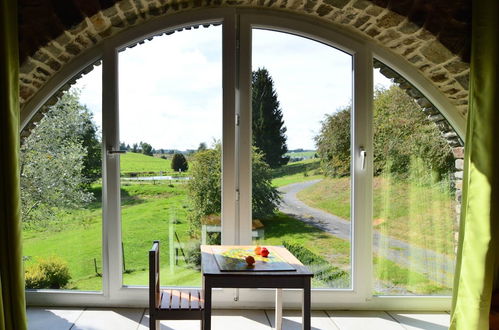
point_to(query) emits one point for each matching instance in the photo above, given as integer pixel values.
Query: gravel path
(436, 266)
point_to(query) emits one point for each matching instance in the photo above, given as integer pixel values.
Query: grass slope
(304, 170)
(139, 163)
(420, 214)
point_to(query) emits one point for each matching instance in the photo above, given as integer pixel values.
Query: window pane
(301, 109)
(171, 126)
(414, 198)
(61, 191)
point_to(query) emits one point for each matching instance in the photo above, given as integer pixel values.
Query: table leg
(305, 312)
(207, 305)
(278, 309)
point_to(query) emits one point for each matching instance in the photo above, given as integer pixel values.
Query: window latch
(363, 155)
(112, 152)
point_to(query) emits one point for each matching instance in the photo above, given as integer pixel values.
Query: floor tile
(248, 319)
(372, 320)
(40, 318)
(292, 320)
(109, 319)
(171, 324)
(427, 321)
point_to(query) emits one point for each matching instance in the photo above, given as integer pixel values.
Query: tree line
(401, 131)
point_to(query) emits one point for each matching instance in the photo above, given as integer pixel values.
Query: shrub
(322, 269)
(48, 273)
(193, 256)
(179, 163)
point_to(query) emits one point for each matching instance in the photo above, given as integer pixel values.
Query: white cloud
(170, 88)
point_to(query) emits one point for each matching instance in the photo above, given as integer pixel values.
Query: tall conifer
(269, 132)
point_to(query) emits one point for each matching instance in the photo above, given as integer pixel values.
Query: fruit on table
(258, 249)
(250, 260)
(264, 252)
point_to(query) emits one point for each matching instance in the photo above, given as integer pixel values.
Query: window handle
(112, 152)
(363, 155)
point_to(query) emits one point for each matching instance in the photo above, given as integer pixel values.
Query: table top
(210, 266)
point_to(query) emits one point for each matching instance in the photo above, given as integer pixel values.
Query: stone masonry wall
(414, 42)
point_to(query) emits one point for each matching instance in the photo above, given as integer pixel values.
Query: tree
(202, 147)
(269, 132)
(401, 131)
(333, 143)
(179, 163)
(205, 188)
(146, 148)
(135, 148)
(58, 160)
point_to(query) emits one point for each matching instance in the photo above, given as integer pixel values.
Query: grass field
(306, 154)
(156, 210)
(304, 170)
(421, 214)
(139, 163)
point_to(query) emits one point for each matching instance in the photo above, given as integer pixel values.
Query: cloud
(170, 88)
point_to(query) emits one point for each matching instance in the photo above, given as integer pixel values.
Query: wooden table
(214, 277)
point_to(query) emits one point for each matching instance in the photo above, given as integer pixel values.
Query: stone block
(458, 175)
(458, 152)
(389, 20)
(337, 3)
(436, 52)
(459, 164)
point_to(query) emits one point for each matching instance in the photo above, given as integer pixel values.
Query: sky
(170, 88)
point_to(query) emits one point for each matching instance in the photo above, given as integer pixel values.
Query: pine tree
(269, 132)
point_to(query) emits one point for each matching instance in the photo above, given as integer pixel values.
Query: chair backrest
(154, 296)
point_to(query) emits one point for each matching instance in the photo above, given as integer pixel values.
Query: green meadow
(158, 211)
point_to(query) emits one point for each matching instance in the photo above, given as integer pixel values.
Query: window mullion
(362, 174)
(229, 203)
(244, 100)
(111, 233)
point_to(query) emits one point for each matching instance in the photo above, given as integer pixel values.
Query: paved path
(438, 267)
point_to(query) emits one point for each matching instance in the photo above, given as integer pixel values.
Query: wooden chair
(170, 304)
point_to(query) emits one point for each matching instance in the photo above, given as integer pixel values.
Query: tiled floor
(137, 318)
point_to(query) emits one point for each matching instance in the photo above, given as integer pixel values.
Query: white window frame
(236, 155)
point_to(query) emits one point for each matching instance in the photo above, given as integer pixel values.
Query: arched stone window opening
(115, 14)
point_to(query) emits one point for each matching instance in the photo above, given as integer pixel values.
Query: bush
(322, 269)
(193, 256)
(49, 273)
(179, 163)
(205, 188)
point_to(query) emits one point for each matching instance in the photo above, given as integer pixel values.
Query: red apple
(250, 260)
(264, 252)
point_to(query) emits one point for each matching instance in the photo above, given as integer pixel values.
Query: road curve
(436, 266)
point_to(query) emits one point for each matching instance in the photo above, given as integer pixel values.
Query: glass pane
(61, 191)
(301, 107)
(414, 198)
(171, 127)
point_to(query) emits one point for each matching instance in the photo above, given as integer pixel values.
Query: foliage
(193, 256)
(48, 273)
(59, 159)
(269, 132)
(146, 148)
(333, 143)
(401, 130)
(179, 163)
(205, 186)
(202, 146)
(322, 268)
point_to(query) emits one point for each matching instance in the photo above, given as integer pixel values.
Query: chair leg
(154, 324)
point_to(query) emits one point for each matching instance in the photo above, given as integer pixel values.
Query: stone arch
(396, 28)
